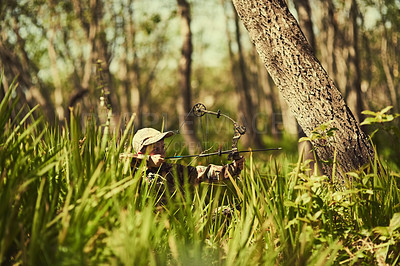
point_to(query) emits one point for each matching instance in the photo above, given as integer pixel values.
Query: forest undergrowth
(68, 198)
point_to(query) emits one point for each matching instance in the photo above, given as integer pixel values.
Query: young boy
(148, 143)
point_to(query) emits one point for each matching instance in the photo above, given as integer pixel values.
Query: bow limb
(238, 132)
(199, 109)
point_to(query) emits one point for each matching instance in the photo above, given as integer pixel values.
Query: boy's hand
(239, 164)
(155, 160)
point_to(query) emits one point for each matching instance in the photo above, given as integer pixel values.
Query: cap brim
(157, 138)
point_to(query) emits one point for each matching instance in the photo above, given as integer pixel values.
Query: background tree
(185, 69)
(353, 87)
(16, 60)
(390, 41)
(243, 85)
(304, 14)
(305, 85)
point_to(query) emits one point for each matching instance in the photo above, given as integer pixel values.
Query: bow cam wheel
(199, 109)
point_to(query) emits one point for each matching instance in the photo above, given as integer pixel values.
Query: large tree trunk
(311, 95)
(185, 65)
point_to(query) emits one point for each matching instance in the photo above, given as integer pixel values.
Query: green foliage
(378, 117)
(68, 198)
(322, 132)
(389, 139)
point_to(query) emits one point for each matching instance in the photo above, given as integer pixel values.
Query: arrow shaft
(219, 153)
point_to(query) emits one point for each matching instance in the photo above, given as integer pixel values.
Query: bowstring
(178, 131)
(205, 136)
(204, 140)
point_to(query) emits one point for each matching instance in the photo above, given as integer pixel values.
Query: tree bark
(185, 68)
(311, 95)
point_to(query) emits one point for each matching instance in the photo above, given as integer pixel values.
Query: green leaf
(387, 118)
(384, 110)
(289, 203)
(368, 112)
(31, 127)
(368, 121)
(291, 222)
(302, 139)
(331, 131)
(373, 133)
(353, 174)
(369, 191)
(394, 222)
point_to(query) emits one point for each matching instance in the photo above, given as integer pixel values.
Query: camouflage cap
(147, 136)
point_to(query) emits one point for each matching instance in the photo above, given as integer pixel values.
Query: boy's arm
(215, 173)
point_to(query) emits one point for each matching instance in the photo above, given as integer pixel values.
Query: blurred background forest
(160, 57)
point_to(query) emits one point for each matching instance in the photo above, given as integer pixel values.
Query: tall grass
(67, 198)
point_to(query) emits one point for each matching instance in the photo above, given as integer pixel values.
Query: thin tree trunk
(367, 66)
(390, 83)
(339, 47)
(268, 101)
(22, 66)
(311, 95)
(58, 96)
(385, 57)
(334, 56)
(328, 23)
(87, 70)
(101, 52)
(243, 89)
(185, 68)
(133, 75)
(353, 90)
(232, 59)
(393, 94)
(128, 27)
(58, 92)
(304, 16)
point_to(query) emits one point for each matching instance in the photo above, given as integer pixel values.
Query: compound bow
(200, 110)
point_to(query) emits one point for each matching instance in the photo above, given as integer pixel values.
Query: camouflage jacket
(169, 173)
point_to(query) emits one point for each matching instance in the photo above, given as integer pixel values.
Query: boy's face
(156, 148)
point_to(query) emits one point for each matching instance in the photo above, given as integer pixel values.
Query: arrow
(219, 153)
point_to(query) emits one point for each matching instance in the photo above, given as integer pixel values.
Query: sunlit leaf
(384, 110)
(302, 139)
(368, 112)
(394, 222)
(368, 121)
